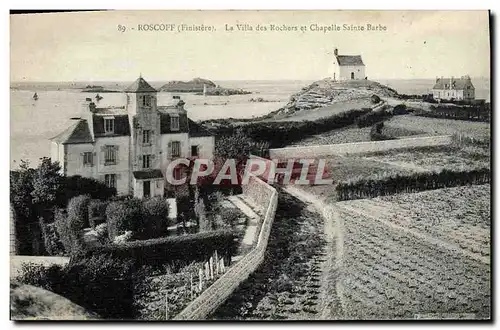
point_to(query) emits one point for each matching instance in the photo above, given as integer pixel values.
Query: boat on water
(98, 97)
(35, 96)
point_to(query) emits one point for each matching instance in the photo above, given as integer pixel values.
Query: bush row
(169, 250)
(472, 113)
(280, 134)
(369, 188)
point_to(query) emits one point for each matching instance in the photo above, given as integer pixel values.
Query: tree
(46, 183)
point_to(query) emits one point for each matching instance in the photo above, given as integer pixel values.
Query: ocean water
(33, 123)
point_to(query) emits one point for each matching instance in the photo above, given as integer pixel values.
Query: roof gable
(122, 126)
(140, 86)
(78, 132)
(344, 60)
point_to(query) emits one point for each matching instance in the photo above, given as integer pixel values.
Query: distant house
(348, 67)
(129, 147)
(453, 89)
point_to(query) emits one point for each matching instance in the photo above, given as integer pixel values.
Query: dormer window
(109, 125)
(174, 122)
(146, 101)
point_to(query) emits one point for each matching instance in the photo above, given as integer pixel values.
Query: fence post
(211, 267)
(216, 263)
(200, 275)
(207, 271)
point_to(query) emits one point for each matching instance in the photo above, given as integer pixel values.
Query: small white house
(348, 67)
(460, 89)
(129, 147)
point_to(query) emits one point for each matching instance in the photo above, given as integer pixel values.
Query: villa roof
(140, 86)
(456, 83)
(78, 132)
(345, 60)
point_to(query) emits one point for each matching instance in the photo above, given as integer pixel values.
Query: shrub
(400, 109)
(375, 99)
(97, 212)
(376, 133)
(230, 218)
(78, 213)
(371, 118)
(76, 185)
(51, 240)
(124, 216)
(156, 219)
(39, 275)
(165, 250)
(69, 235)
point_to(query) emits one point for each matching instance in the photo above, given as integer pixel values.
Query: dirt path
(331, 288)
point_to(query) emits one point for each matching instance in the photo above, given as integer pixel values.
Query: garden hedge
(166, 250)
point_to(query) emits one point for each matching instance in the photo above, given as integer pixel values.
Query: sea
(33, 123)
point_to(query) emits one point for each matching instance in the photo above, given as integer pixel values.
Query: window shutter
(169, 150)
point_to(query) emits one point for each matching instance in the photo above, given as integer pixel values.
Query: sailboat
(35, 96)
(98, 97)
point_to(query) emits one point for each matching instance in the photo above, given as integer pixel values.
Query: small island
(97, 89)
(200, 86)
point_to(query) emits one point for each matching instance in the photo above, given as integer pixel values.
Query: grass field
(412, 254)
(437, 126)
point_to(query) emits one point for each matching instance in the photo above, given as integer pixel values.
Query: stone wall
(357, 147)
(204, 305)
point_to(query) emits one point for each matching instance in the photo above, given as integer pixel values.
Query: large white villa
(129, 147)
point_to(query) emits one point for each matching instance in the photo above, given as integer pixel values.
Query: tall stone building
(129, 147)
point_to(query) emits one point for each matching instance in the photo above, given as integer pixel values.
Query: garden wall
(357, 147)
(204, 305)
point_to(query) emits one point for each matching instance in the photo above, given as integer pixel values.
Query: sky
(90, 46)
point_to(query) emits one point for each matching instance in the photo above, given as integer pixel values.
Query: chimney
(92, 107)
(180, 105)
(336, 51)
(437, 79)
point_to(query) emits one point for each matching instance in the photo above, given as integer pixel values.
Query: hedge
(471, 113)
(168, 250)
(369, 188)
(280, 134)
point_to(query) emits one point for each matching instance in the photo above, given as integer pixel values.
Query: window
(174, 123)
(194, 151)
(110, 180)
(146, 137)
(146, 161)
(176, 149)
(109, 125)
(146, 101)
(110, 155)
(87, 158)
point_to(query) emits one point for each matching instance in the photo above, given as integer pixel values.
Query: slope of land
(333, 94)
(32, 303)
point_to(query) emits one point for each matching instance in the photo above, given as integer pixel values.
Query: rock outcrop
(327, 92)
